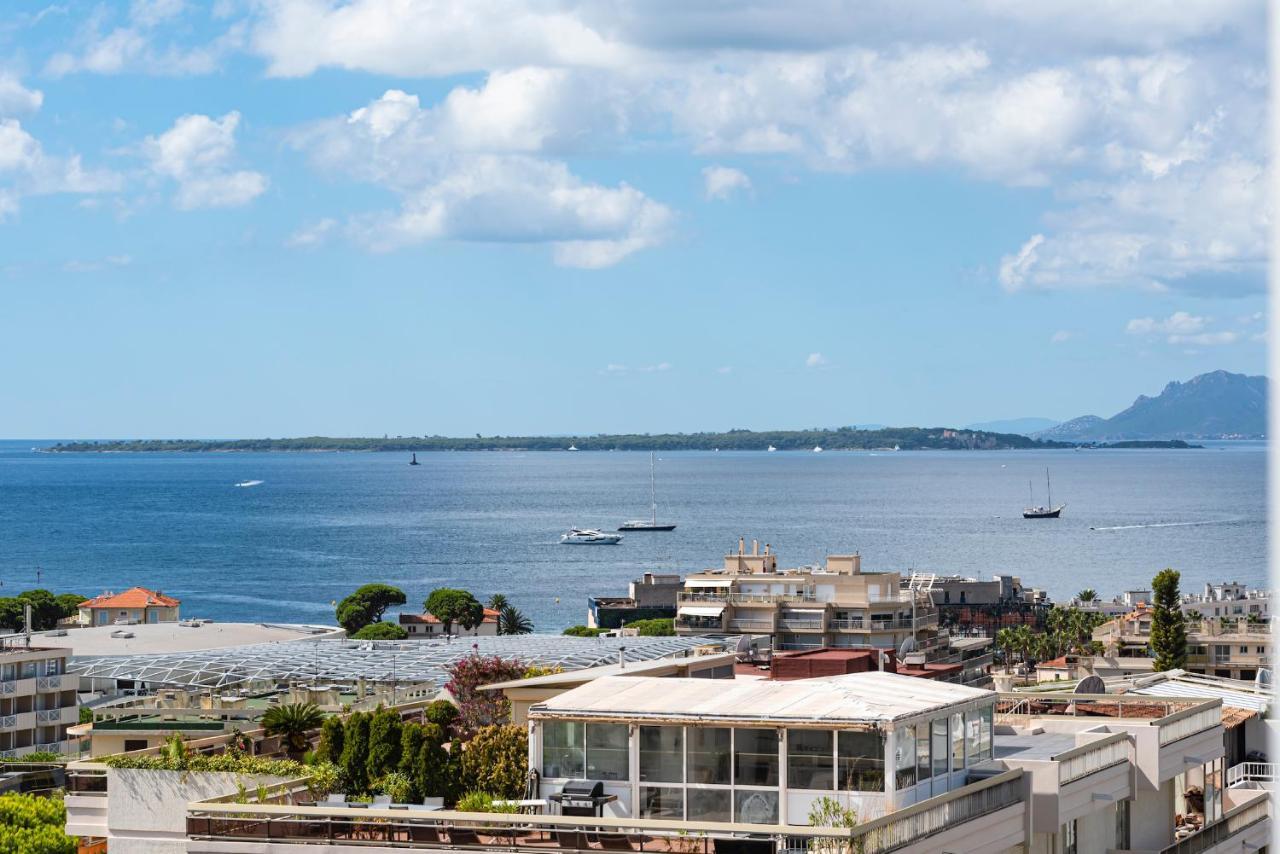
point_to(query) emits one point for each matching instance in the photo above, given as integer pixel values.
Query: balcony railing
(800, 624)
(751, 625)
(1239, 819)
(49, 683)
(1263, 773)
(1080, 762)
(847, 623)
(768, 598)
(691, 598)
(86, 782)
(1186, 723)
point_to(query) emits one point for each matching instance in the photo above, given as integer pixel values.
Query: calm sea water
(320, 524)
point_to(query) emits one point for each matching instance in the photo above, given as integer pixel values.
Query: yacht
(589, 537)
(650, 524)
(1037, 511)
(817, 449)
(772, 449)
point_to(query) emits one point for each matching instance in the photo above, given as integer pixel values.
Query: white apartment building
(37, 701)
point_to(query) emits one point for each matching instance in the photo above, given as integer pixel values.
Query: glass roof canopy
(346, 661)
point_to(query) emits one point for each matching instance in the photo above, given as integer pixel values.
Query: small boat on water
(771, 449)
(650, 524)
(248, 483)
(572, 448)
(817, 449)
(589, 537)
(1037, 511)
(414, 461)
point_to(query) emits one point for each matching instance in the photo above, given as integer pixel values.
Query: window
(860, 762)
(1122, 824)
(1244, 650)
(940, 748)
(562, 753)
(904, 758)
(608, 754)
(1069, 843)
(659, 802)
(973, 736)
(709, 756)
(957, 742)
(755, 807)
(710, 805)
(922, 752)
(662, 754)
(755, 758)
(984, 745)
(809, 759)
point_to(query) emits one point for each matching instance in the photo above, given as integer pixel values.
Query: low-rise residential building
(426, 626)
(973, 606)
(1235, 648)
(837, 605)
(37, 702)
(651, 597)
(1230, 600)
(135, 605)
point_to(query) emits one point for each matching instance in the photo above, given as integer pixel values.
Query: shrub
(495, 760)
(227, 762)
(31, 825)
(583, 632)
(384, 743)
(654, 628)
(330, 747)
(324, 778)
(477, 801)
(476, 708)
(355, 753)
(398, 786)
(381, 631)
(442, 713)
(434, 771)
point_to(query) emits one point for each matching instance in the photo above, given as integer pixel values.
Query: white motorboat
(589, 537)
(817, 449)
(772, 449)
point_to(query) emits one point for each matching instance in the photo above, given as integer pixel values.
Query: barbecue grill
(582, 798)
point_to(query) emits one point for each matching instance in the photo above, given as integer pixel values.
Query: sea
(320, 524)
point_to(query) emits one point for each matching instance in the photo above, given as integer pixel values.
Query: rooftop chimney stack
(742, 545)
(755, 548)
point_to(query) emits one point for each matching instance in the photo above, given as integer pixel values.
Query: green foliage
(442, 713)
(293, 721)
(367, 605)
(828, 812)
(1087, 595)
(496, 760)
(355, 753)
(330, 747)
(478, 801)
(39, 756)
(450, 606)
(234, 763)
(1067, 630)
(46, 609)
(512, 621)
(381, 631)
(398, 786)
(654, 628)
(434, 770)
(384, 743)
(86, 715)
(323, 778)
(1168, 629)
(497, 602)
(32, 825)
(583, 632)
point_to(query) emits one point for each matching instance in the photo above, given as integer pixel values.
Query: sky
(254, 218)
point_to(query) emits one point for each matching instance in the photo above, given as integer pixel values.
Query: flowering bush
(476, 708)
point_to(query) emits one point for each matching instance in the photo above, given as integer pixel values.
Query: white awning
(701, 610)
(690, 583)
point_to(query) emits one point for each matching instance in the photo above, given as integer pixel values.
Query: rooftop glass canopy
(346, 661)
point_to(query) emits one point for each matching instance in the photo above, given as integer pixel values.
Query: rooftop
(586, 674)
(162, 638)
(134, 597)
(866, 698)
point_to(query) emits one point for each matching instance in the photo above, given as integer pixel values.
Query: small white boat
(772, 449)
(589, 537)
(247, 483)
(817, 449)
(573, 447)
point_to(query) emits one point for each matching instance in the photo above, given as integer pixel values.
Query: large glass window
(922, 753)
(710, 805)
(984, 745)
(809, 759)
(562, 754)
(904, 757)
(661, 802)
(941, 749)
(755, 757)
(957, 742)
(755, 807)
(662, 754)
(973, 736)
(860, 762)
(709, 756)
(608, 755)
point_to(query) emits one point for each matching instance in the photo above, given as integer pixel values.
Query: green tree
(293, 721)
(384, 743)
(367, 605)
(10, 613)
(1168, 630)
(512, 622)
(434, 771)
(582, 632)
(330, 747)
(442, 713)
(1087, 595)
(497, 602)
(45, 609)
(32, 825)
(450, 606)
(496, 760)
(661, 627)
(381, 631)
(355, 753)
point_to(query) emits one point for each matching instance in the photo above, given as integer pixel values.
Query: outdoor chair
(335, 799)
(381, 800)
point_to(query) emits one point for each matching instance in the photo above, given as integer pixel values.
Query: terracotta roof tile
(134, 597)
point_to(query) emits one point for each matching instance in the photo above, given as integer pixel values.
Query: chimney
(622, 658)
(742, 545)
(755, 548)
(766, 548)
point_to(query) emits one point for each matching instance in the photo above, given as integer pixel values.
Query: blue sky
(310, 217)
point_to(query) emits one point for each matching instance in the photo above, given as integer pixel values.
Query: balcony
(54, 683)
(717, 597)
(846, 624)
(749, 625)
(18, 721)
(1247, 827)
(800, 624)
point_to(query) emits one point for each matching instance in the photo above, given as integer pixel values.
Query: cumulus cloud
(815, 360)
(313, 234)
(16, 98)
(1182, 327)
(197, 153)
(721, 182)
(109, 44)
(97, 265)
(26, 169)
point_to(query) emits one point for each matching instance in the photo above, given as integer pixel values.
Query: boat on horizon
(1036, 511)
(589, 537)
(771, 449)
(652, 523)
(248, 483)
(414, 461)
(817, 449)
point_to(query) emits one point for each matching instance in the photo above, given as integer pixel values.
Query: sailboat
(1036, 511)
(652, 523)
(414, 461)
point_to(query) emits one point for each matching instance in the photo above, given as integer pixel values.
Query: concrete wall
(1151, 819)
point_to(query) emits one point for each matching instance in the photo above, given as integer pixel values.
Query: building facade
(426, 626)
(37, 702)
(135, 605)
(651, 597)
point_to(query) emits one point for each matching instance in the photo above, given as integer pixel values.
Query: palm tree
(512, 622)
(497, 602)
(1087, 595)
(293, 721)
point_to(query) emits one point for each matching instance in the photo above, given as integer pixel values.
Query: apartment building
(37, 701)
(1234, 648)
(837, 605)
(653, 596)
(1230, 600)
(974, 606)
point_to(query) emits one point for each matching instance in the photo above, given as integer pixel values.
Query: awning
(691, 583)
(701, 610)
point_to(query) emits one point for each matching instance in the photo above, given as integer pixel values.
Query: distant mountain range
(1020, 426)
(1216, 405)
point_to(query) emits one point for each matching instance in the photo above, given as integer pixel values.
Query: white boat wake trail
(1163, 525)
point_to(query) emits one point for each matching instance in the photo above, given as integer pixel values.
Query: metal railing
(49, 716)
(1234, 822)
(803, 624)
(1090, 758)
(846, 623)
(768, 598)
(718, 596)
(752, 625)
(1251, 772)
(87, 782)
(49, 683)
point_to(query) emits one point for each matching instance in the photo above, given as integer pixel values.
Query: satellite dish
(908, 645)
(1262, 679)
(1091, 684)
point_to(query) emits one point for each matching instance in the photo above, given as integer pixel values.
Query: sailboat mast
(653, 494)
(1048, 487)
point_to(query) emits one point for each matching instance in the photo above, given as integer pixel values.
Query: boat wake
(1162, 525)
(249, 483)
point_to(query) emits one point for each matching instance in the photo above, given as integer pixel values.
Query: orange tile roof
(490, 616)
(134, 597)
(1232, 717)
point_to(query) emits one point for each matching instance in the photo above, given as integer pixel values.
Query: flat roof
(586, 674)
(160, 638)
(856, 698)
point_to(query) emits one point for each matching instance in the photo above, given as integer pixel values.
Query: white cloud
(721, 182)
(815, 360)
(78, 266)
(1182, 327)
(107, 45)
(1061, 336)
(27, 170)
(313, 234)
(16, 98)
(196, 153)
(1206, 339)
